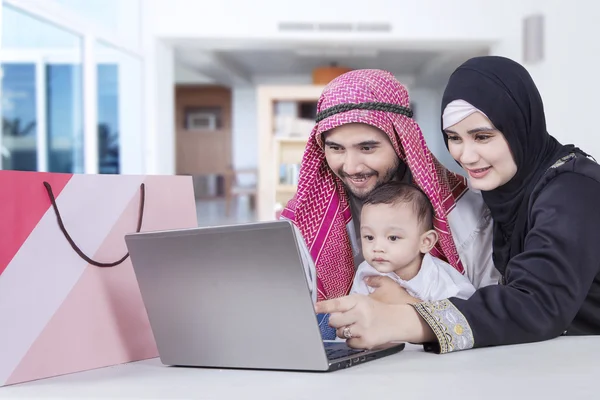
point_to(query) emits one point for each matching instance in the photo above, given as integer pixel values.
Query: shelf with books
(281, 151)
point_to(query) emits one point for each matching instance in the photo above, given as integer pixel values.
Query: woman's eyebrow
(472, 131)
(480, 129)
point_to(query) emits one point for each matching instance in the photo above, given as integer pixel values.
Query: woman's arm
(373, 323)
(545, 285)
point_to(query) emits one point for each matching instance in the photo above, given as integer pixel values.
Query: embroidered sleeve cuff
(449, 325)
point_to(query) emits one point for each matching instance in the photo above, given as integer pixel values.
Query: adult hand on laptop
(367, 323)
(388, 291)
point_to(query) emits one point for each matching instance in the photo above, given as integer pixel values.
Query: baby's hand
(388, 291)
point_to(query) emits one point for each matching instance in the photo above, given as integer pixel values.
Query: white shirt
(436, 280)
(471, 225)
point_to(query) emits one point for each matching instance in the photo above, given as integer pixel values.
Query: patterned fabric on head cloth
(321, 209)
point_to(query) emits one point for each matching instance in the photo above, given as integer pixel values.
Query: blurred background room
(226, 91)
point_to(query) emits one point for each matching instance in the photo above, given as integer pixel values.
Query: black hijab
(506, 93)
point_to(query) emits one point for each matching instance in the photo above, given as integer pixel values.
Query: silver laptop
(236, 296)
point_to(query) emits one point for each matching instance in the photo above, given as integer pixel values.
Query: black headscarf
(506, 93)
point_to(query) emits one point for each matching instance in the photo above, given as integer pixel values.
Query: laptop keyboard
(335, 350)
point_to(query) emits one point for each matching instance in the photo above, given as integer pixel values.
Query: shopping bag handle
(72, 243)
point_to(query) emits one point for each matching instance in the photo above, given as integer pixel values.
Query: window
(42, 104)
(64, 118)
(18, 145)
(71, 89)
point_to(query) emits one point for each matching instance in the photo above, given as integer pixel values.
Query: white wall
(185, 75)
(244, 127)
(159, 98)
(246, 20)
(239, 19)
(411, 20)
(566, 77)
(131, 115)
(427, 114)
(302, 79)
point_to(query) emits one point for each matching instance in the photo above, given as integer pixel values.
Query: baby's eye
(393, 238)
(368, 237)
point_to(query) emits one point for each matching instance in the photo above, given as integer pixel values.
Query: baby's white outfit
(436, 280)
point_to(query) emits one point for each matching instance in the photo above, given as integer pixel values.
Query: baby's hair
(394, 192)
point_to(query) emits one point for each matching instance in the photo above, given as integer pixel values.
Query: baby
(396, 229)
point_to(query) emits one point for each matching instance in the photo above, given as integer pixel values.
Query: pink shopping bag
(69, 299)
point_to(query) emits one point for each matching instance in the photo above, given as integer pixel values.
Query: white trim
(47, 54)
(90, 106)
(54, 56)
(66, 19)
(9, 56)
(41, 116)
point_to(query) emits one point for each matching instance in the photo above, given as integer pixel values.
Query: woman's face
(482, 151)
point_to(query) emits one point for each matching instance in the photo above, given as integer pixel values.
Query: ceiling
(259, 62)
(239, 65)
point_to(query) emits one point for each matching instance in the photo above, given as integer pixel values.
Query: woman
(543, 198)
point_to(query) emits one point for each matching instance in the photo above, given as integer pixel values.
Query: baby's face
(391, 237)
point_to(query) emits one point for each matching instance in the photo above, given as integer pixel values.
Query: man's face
(362, 156)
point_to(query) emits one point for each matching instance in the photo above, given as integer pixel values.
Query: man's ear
(428, 240)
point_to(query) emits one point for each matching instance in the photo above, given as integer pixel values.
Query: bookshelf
(279, 156)
(288, 152)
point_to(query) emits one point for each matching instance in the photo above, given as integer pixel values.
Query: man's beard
(397, 171)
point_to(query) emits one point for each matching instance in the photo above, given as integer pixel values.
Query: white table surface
(563, 368)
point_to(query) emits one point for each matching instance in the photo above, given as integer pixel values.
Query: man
(365, 136)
